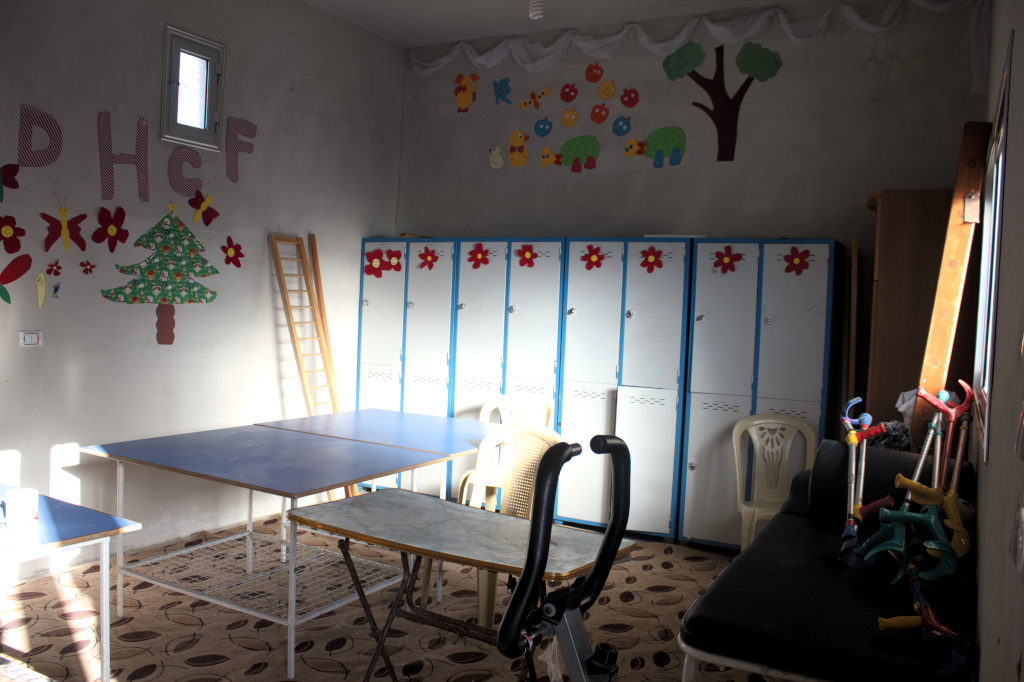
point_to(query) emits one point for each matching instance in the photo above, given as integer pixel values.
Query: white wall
(1001, 590)
(846, 115)
(326, 98)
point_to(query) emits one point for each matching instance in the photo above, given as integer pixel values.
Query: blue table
(292, 459)
(61, 525)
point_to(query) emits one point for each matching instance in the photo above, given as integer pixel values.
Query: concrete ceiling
(419, 23)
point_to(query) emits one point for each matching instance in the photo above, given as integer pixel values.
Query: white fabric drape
(534, 57)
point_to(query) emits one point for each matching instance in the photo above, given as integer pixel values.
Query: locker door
(428, 322)
(428, 328)
(381, 325)
(588, 409)
(652, 330)
(593, 312)
(709, 505)
(647, 420)
(534, 300)
(794, 313)
(480, 325)
(724, 317)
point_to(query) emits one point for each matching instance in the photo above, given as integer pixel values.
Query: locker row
(665, 342)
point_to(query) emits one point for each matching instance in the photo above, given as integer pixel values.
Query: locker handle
(691, 466)
(512, 308)
(409, 305)
(767, 321)
(461, 306)
(570, 311)
(629, 314)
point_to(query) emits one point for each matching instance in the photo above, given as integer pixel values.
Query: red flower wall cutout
(10, 233)
(428, 257)
(726, 260)
(87, 267)
(53, 268)
(12, 271)
(203, 209)
(796, 260)
(110, 228)
(232, 253)
(650, 259)
(527, 256)
(8, 177)
(478, 256)
(592, 257)
(377, 262)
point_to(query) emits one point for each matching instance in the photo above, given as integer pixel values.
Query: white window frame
(211, 136)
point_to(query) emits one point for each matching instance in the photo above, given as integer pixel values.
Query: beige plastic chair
(772, 437)
(507, 460)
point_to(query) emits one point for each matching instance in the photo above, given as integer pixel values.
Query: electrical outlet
(30, 339)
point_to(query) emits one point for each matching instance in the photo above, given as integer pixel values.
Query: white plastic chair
(772, 437)
(515, 409)
(507, 460)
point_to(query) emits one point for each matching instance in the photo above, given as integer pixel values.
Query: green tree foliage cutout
(756, 62)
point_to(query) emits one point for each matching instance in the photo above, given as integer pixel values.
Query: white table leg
(120, 541)
(105, 609)
(291, 595)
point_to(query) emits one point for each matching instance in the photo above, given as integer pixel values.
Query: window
(192, 90)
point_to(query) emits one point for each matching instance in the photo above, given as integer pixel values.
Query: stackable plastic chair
(507, 461)
(514, 409)
(772, 437)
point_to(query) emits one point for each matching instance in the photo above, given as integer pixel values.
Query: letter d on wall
(30, 119)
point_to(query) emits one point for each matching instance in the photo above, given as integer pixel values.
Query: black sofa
(789, 606)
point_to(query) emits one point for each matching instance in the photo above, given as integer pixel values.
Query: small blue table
(60, 525)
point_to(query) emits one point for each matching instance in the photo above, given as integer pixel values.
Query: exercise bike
(525, 625)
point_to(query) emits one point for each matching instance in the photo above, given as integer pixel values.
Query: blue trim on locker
(560, 356)
(504, 315)
(622, 313)
(828, 336)
(359, 322)
(405, 331)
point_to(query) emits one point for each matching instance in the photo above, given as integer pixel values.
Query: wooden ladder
(302, 296)
(964, 214)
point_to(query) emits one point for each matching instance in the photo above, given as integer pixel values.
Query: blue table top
(441, 435)
(274, 460)
(63, 523)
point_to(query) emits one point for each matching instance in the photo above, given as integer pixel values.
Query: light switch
(30, 339)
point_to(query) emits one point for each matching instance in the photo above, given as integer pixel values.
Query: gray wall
(1001, 587)
(326, 98)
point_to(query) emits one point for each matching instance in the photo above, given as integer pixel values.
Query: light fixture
(536, 9)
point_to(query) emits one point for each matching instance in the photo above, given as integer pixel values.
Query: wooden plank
(963, 216)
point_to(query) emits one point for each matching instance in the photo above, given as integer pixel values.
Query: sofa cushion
(788, 602)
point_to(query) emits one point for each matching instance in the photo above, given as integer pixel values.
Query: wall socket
(30, 339)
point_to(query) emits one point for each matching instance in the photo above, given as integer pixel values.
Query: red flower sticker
(478, 256)
(110, 228)
(203, 209)
(592, 257)
(393, 261)
(232, 253)
(796, 260)
(527, 256)
(53, 268)
(9, 233)
(428, 257)
(374, 263)
(87, 267)
(726, 260)
(8, 177)
(650, 259)
(12, 271)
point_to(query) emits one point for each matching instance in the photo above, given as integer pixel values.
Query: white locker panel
(428, 328)
(383, 305)
(794, 310)
(587, 410)
(652, 329)
(724, 317)
(810, 412)
(380, 386)
(647, 420)
(480, 325)
(710, 512)
(593, 313)
(534, 305)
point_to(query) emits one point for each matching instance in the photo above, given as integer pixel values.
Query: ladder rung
(316, 388)
(303, 322)
(297, 291)
(311, 355)
(302, 307)
(290, 258)
(309, 338)
(293, 274)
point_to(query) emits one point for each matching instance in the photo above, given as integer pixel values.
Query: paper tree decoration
(168, 276)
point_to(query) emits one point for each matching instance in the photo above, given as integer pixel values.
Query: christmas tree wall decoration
(168, 276)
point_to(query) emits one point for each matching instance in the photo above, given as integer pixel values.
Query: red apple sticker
(569, 92)
(630, 97)
(599, 112)
(594, 72)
